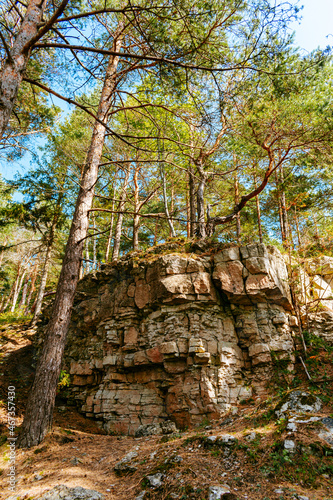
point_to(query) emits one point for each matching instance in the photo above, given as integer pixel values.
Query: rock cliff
(181, 336)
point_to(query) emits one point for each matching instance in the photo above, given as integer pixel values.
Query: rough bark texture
(24, 291)
(15, 65)
(201, 224)
(39, 410)
(165, 200)
(42, 285)
(32, 287)
(50, 242)
(121, 206)
(136, 218)
(108, 245)
(238, 222)
(192, 201)
(17, 290)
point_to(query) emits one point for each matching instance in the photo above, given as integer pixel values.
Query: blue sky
(316, 26)
(315, 29)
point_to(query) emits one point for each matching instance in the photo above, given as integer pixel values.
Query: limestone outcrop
(181, 336)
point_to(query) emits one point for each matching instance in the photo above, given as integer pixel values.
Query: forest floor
(255, 467)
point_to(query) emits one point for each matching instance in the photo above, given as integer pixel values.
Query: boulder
(297, 403)
(62, 492)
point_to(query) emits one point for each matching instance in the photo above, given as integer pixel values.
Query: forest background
(185, 121)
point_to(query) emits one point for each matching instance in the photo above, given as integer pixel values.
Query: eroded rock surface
(63, 492)
(178, 336)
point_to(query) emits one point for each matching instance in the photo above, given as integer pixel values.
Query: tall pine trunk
(18, 286)
(25, 291)
(258, 211)
(136, 218)
(201, 224)
(43, 281)
(108, 245)
(49, 247)
(238, 221)
(32, 287)
(40, 405)
(164, 190)
(119, 224)
(193, 212)
(283, 234)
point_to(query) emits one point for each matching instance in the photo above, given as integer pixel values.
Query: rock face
(178, 336)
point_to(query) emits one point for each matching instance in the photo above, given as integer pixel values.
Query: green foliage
(14, 318)
(64, 380)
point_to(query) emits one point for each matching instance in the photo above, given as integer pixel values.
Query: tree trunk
(297, 229)
(193, 213)
(42, 286)
(284, 213)
(3, 252)
(201, 226)
(50, 242)
(17, 291)
(172, 204)
(188, 212)
(16, 62)
(94, 245)
(165, 198)
(121, 206)
(108, 245)
(258, 211)
(136, 218)
(9, 296)
(259, 219)
(32, 287)
(283, 234)
(25, 291)
(39, 410)
(238, 222)
(155, 233)
(14, 291)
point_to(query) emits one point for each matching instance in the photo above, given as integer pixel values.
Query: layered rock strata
(178, 336)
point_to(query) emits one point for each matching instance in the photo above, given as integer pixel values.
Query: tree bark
(121, 206)
(17, 291)
(172, 204)
(108, 245)
(32, 287)
(201, 225)
(3, 252)
(16, 62)
(25, 291)
(193, 212)
(284, 213)
(39, 410)
(238, 222)
(18, 55)
(165, 198)
(6, 304)
(283, 234)
(42, 286)
(94, 245)
(297, 229)
(49, 247)
(136, 218)
(258, 211)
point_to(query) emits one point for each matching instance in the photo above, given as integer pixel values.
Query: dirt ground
(77, 453)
